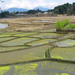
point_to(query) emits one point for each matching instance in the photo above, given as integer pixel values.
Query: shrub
(66, 22)
(73, 26)
(70, 26)
(60, 24)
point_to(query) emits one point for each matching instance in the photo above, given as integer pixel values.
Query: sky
(30, 4)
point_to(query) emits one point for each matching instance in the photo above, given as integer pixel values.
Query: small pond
(3, 26)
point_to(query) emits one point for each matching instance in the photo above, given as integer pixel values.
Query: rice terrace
(38, 46)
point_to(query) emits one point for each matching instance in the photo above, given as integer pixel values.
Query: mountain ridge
(22, 10)
(16, 9)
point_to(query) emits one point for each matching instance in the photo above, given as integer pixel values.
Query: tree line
(6, 13)
(65, 9)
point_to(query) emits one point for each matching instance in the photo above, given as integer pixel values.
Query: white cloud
(52, 4)
(66, 1)
(42, 3)
(30, 5)
(18, 4)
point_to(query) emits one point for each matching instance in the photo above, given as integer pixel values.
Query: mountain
(41, 8)
(15, 9)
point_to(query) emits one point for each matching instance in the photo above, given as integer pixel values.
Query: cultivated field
(23, 45)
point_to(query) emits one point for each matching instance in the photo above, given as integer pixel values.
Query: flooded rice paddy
(39, 68)
(48, 35)
(63, 53)
(3, 26)
(65, 43)
(18, 46)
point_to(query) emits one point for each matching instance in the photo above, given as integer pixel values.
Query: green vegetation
(39, 68)
(41, 42)
(60, 24)
(47, 35)
(65, 43)
(3, 39)
(18, 41)
(47, 53)
(64, 25)
(17, 48)
(24, 54)
(65, 9)
(11, 48)
(4, 70)
(63, 53)
(25, 34)
(70, 26)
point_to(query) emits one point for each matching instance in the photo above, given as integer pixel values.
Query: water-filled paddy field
(25, 46)
(48, 35)
(41, 42)
(65, 43)
(24, 54)
(18, 41)
(39, 68)
(63, 53)
(22, 46)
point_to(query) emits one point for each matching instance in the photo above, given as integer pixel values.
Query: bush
(73, 26)
(66, 22)
(70, 26)
(60, 24)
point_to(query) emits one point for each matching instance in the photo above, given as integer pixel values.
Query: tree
(4, 14)
(0, 7)
(65, 9)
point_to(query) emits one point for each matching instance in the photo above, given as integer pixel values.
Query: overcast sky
(30, 4)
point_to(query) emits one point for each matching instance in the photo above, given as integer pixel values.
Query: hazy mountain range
(15, 9)
(22, 10)
(41, 8)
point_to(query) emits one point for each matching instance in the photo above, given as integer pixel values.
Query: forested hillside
(65, 9)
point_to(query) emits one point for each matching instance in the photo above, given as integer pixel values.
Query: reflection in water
(3, 26)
